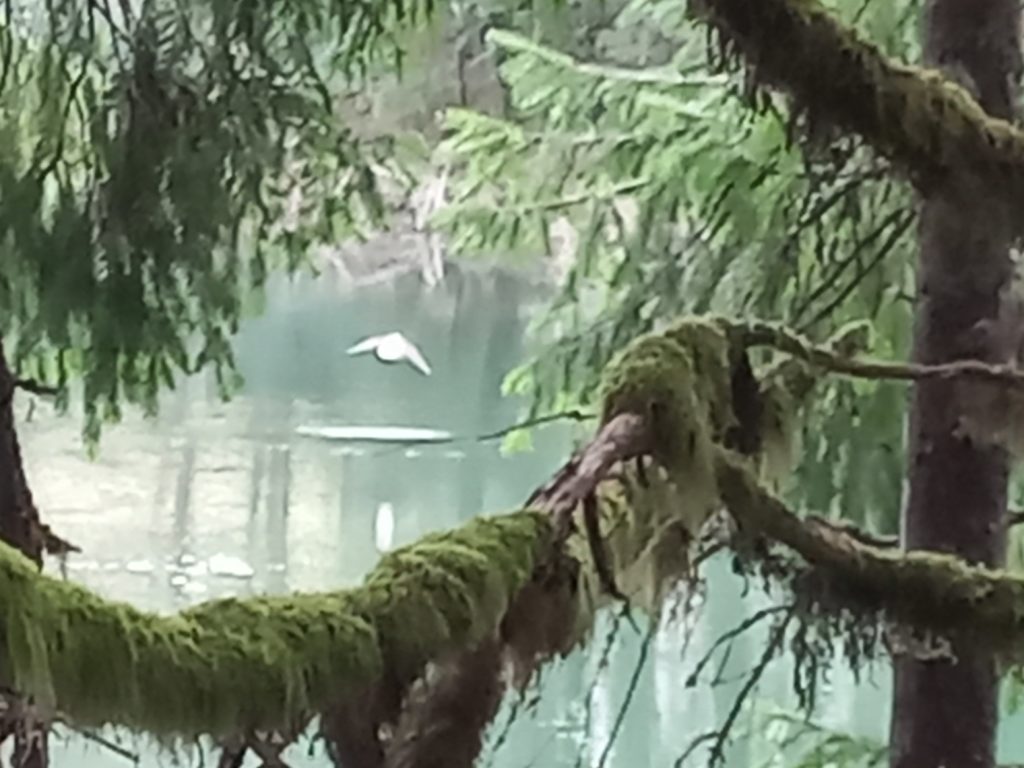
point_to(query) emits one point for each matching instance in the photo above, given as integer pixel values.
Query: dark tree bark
(19, 520)
(21, 528)
(944, 712)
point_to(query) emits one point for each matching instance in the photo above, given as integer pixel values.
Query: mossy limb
(231, 665)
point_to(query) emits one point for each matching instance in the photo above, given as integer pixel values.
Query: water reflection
(384, 526)
(218, 499)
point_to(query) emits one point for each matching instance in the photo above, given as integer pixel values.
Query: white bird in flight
(392, 348)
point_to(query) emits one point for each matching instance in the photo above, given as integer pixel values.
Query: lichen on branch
(918, 118)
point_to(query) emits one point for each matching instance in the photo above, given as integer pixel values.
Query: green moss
(784, 387)
(916, 117)
(267, 662)
(654, 377)
(707, 341)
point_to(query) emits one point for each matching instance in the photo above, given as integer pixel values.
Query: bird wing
(366, 345)
(414, 356)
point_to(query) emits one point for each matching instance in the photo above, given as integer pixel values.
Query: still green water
(214, 499)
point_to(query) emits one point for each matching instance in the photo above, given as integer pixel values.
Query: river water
(213, 499)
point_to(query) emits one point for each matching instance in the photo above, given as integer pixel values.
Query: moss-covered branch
(926, 589)
(916, 117)
(842, 361)
(230, 666)
(687, 428)
(239, 666)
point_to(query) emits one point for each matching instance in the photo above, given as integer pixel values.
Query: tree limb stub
(36, 388)
(918, 118)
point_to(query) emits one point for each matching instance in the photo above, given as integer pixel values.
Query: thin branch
(900, 219)
(107, 744)
(35, 388)
(765, 335)
(664, 76)
(851, 530)
(731, 635)
(645, 647)
(717, 755)
(556, 204)
(598, 551)
(570, 415)
(837, 301)
(602, 664)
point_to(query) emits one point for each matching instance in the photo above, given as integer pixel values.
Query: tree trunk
(945, 713)
(19, 523)
(20, 527)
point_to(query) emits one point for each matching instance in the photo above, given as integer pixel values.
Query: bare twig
(35, 388)
(645, 647)
(717, 755)
(864, 537)
(765, 335)
(598, 552)
(863, 271)
(731, 635)
(602, 665)
(570, 415)
(107, 744)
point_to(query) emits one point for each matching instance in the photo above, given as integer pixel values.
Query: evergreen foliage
(681, 198)
(160, 157)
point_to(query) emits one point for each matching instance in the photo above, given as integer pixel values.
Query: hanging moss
(654, 543)
(708, 342)
(655, 377)
(230, 665)
(929, 590)
(918, 118)
(784, 387)
(681, 381)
